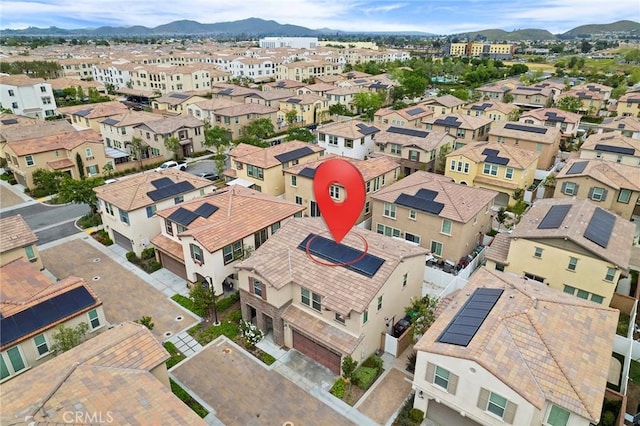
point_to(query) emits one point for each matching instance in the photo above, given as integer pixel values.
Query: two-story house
(495, 110)
(532, 97)
(494, 166)
(352, 138)
(306, 289)
(89, 116)
(309, 108)
(32, 97)
(377, 172)
(591, 102)
(128, 206)
(447, 218)
(542, 140)
(261, 168)
(611, 147)
(615, 187)
(16, 128)
(466, 128)
(443, 105)
(176, 102)
(628, 105)
(571, 245)
(235, 117)
(407, 117)
(495, 355)
(205, 110)
(231, 92)
(567, 122)
(626, 126)
(203, 239)
(271, 98)
(31, 307)
(413, 149)
(343, 96)
(65, 152)
(153, 132)
(17, 240)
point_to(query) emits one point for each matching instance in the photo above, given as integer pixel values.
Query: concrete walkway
(185, 343)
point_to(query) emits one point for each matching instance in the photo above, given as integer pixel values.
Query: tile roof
(614, 175)
(15, 233)
(163, 125)
(468, 122)
(346, 129)
(131, 193)
(215, 104)
(169, 246)
(501, 129)
(12, 121)
(369, 168)
(65, 163)
(320, 87)
(529, 342)
(615, 123)
(502, 107)
(20, 80)
(36, 130)
(519, 158)
(433, 139)
(241, 212)
(461, 202)
(247, 108)
(132, 118)
(573, 227)
(266, 157)
(448, 101)
(307, 98)
(531, 90)
(108, 375)
(498, 251)
(541, 114)
(611, 139)
(99, 110)
(66, 141)
(279, 262)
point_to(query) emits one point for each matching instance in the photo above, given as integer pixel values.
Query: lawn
(188, 399)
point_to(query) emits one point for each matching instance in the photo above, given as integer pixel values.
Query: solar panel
(523, 128)
(418, 203)
(480, 107)
(615, 149)
(494, 159)
(110, 121)
(331, 251)
(415, 111)
(308, 172)
(205, 210)
(583, 95)
(426, 194)
(179, 96)
(466, 323)
(183, 216)
(490, 152)
(46, 312)
(552, 116)
(600, 227)
(162, 182)
(225, 91)
(295, 154)
(281, 84)
(408, 132)
(170, 191)
(9, 121)
(535, 89)
(554, 217)
(621, 126)
(294, 100)
(577, 167)
(448, 122)
(84, 112)
(367, 130)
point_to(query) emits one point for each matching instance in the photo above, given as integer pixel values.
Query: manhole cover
(287, 424)
(96, 278)
(179, 318)
(226, 351)
(96, 260)
(167, 334)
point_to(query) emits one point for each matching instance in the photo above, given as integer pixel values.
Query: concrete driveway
(387, 396)
(125, 296)
(243, 392)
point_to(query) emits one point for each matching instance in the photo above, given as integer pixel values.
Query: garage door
(312, 349)
(173, 265)
(122, 241)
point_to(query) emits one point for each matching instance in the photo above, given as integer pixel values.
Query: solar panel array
(227, 91)
(179, 96)
(466, 323)
(408, 132)
(621, 126)
(308, 172)
(422, 203)
(378, 85)
(552, 116)
(110, 121)
(281, 84)
(44, 313)
(162, 182)
(367, 130)
(169, 191)
(600, 227)
(205, 210)
(448, 122)
(493, 158)
(84, 112)
(294, 100)
(427, 194)
(331, 251)
(577, 167)
(293, 155)
(490, 152)
(9, 121)
(534, 89)
(582, 95)
(554, 217)
(615, 149)
(183, 216)
(480, 107)
(523, 128)
(415, 111)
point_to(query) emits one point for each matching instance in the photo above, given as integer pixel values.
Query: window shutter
(264, 291)
(430, 372)
(575, 189)
(483, 399)
(191, 251)
(563, 189)
(251, 285)
(590, 196)
(510, 412)
(453, 384)
(604, 195)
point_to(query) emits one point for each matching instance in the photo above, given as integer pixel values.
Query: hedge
(338, 388)
(364, 377)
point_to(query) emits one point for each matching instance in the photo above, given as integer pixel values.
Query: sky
(430, 16)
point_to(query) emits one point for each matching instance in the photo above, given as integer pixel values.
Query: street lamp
(215, 308)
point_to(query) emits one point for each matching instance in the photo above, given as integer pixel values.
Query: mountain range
(255, 27)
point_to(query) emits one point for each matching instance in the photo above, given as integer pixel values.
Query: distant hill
(626, 26)
(517, 35)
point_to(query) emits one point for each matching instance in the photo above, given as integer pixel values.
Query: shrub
(267, 358)
(131, 257)
(375, 362)
(146, 321)
(364, 377)
(176, 355)
(250, 333)
(411, 361)
(416, 415)
(152, 266)
(348, 367)
(234, 316)
(224, 304)
(338, 388)
(187, 399)
(90, 220)
(186, 303)
(148, 253)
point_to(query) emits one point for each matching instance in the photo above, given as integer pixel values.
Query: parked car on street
(209, 175)
(179, 165)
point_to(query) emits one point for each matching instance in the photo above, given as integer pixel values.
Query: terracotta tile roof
(433, 140)
(618, 250)
(39, 129)
(369, 168)
(266, 157)
(279, 262)
(131, 193)
(549, 137)
(241, 212)
(63, 141)
(346, 129)
(61, 164)
(448, 101)
(618, 124)
(594, 87)
(271, 95)
(467, 122)
(20, 80)
(582, 93)
(518, 158)
(285, 84)
(614, 175)
(244, 109)
(132, 118)
(532, 90)
(342, 91)
(320, 87)
(215, 104)
(611, 139)
(485, 106)
(529, 342)
(66, 82)
(630, 97)
(308, 98)
(100, 110)
(12, 121)
(220, 89)
(322, 331)
(170, 99)
(541, 114)
(169, 246)
(163, 125)
(14, 233)
(498, 251)
(461, 202)
(109, 375)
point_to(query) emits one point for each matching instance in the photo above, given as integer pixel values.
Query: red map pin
(340, 216)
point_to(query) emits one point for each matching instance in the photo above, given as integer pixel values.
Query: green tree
(442, 158)
(80, 165)
(147, 321)
(219, 139)
(619, 91)
(396, 93)
(423, 312)
(201, 294)
(300, 134)
(508, 98)
(65, 338)
(173, 144)
(339, 109)
(255, 132)
(368, 103)
(80, 191)
(517, 69)
(461, 93)
(48, 181)
(138, 149)
(570, 103)
(349, 365)
(291, 117)
(501, 217)
(414, 86)
(633, 55)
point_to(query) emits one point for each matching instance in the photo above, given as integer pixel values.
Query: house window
(238, 165)
(180, 228)
(94, 319)
(460, 133)
(611, 274)
(196, 254)
(558, 416)
(29, 252)
(452, 167)
(232, 252)
(411, 237)
(334, 192)
(573, 263)
(311, 299)
(15, 360)
(414, 155)
(11, 93)
(168, 226)
(597, 299)
(257, 288)
(569, 188)
(436, 248)
(412, 214)
(339, 318)
(333, 140)
(298, 200)
(260, 237)
(490, 169)
(294, 180)
(508, 173)
(534, 277)
(365, 316)
(109, 208)
(41, 344)
(29, 160)
(379, 303)
(387, 230)
(404, 280)
(396, 149)
(43, 89)
(275, 227)
(178, 199)
(348, 143)
(538, 252)
(441, 377)
(88, 153)
(255, 172)
(624, 196)
(497, 404)
(367, 207)
(389, 210)
(598, 194)
(446, 227)
(124, 216)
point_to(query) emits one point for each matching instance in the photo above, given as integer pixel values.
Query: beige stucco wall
(16, 253)
(547, 151)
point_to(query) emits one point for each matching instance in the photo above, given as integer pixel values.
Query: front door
(268, 324)
(314, 210)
